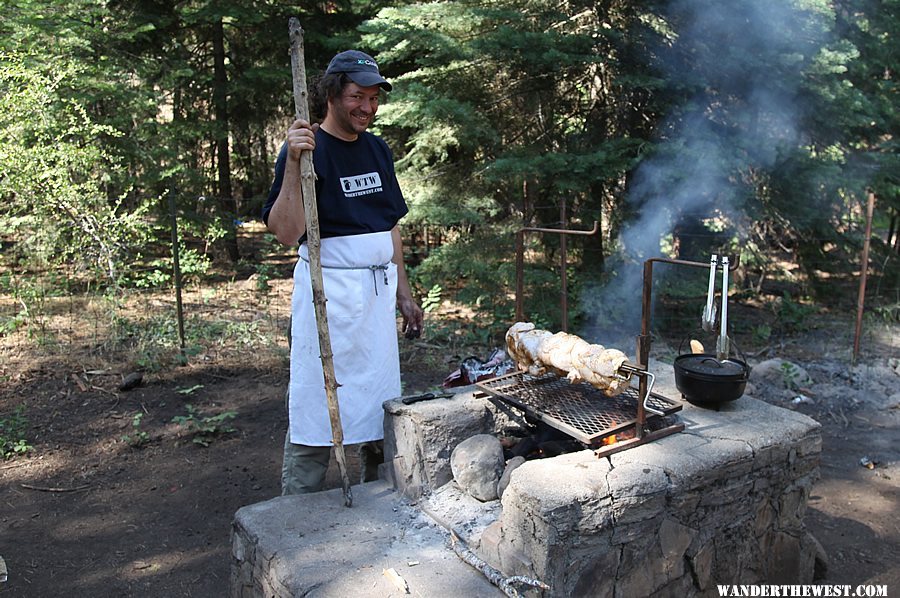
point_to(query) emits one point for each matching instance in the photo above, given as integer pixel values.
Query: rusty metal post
(563, 266)
(864, 270)
(520, 275)
(520, 264)
(176, 267)
(643, 340)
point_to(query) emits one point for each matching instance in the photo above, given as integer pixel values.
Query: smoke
(737, 68)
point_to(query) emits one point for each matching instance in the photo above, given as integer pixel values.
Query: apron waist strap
(383, 268)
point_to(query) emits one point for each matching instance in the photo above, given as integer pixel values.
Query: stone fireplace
(721, 502)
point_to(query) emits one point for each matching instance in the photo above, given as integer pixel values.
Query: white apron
(361, 306)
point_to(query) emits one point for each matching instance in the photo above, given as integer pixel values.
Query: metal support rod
(643, 340)
(622, 445)
(176, 267)
(642, 356)
(520, 265)
(864, 270)
(563, 275)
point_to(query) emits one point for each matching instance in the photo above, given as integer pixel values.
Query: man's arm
(413, 316)
(287, 220)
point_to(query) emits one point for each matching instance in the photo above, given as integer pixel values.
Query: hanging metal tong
(723, 344)
(708, 320)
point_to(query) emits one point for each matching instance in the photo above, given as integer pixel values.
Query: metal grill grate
(579, 410)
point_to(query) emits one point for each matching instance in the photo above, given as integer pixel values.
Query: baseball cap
(360, 67)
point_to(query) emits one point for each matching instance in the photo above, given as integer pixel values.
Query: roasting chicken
(538, 351)
(523, 342)
(598, 367)
(559, 350)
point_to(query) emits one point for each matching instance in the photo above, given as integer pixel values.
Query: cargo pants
(304, 467)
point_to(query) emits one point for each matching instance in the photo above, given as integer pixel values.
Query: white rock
(477, 464)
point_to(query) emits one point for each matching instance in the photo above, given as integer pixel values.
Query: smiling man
(359, 203)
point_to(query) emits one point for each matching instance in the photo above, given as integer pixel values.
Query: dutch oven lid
(708, 365)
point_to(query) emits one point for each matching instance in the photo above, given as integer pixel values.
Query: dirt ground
(87, 513)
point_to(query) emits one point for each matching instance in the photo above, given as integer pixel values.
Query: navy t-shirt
(356, 187)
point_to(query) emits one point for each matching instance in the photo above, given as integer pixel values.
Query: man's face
(354, 110)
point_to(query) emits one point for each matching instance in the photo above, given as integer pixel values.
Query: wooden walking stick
(313, 242)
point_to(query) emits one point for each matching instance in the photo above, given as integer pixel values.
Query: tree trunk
(227, 205)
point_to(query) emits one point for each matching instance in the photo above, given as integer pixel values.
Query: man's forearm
(287, 219)
(403, 289)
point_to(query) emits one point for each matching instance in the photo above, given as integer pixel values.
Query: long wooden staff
(314, 241)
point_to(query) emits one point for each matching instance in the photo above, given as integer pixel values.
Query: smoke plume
(740, 65)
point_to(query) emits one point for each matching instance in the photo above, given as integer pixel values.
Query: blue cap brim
(369, 79)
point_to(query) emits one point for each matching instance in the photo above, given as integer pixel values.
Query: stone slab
(312, 545)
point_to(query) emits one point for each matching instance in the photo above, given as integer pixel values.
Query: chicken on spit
(539, 351)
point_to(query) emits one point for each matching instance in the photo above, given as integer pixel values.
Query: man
(359, 204)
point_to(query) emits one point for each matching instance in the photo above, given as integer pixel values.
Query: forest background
(682, 128)
(142, 396)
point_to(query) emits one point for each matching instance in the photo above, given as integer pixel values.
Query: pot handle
(741, 355)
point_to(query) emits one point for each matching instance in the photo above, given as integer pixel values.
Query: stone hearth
(721, 502)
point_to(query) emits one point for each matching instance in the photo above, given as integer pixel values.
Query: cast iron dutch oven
(706, 381)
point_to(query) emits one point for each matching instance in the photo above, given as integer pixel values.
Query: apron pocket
(344, 291)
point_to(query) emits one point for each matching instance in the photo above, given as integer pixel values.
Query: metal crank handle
(625, 372)
(647, 407)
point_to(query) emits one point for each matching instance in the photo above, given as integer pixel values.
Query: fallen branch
(14, 465)
(46, 489)
(81, 384)
(101, 389)
(506, 584)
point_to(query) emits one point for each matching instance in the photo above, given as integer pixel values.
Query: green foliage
(432, 299)
(762, 333)
(12, 434)
(501, 112)
(159, 272)
(33, 297)
(154, 340)
(205, 428)
(474, 268)
(884, 314)
(138, 437)
(792, 376)
(54, 184)
(494, 96)
(793, 316)
(264, 273)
